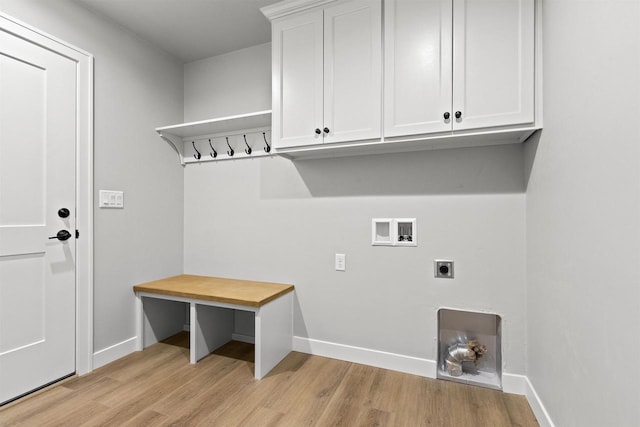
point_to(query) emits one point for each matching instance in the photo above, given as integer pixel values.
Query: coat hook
(213, 153)
(197, 155)
(230, 152)
(267, 149)
(248, 149)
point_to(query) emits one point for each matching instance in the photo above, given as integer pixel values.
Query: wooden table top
(232, 291)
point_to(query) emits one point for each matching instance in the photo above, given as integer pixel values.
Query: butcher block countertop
(231, 291)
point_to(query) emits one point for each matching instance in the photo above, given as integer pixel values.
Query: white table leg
(274, 333)
(211, 327)
(139, 323)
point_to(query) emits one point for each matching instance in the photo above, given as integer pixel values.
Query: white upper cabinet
(418, 74)
(327, 66)
(493, 62)
(353, 70)
(458, 65)
(297, 80)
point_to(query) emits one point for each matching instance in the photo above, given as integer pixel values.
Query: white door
(37, 180)
(297, 80)
(493, 69)
(352, 71)
(418, 74)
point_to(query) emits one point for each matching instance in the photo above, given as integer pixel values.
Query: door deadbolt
(63, 213)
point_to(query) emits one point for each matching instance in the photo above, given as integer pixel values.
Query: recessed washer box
(394, 232)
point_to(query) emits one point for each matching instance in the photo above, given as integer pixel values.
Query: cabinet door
(297, 80)
(353, 70)
(418, 72)
(493, 68)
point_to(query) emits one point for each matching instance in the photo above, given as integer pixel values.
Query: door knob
(447, 115)
(318, 131)
(63, 213)
(62, 235)
(458, 114)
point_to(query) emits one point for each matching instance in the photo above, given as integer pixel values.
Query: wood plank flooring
(158, 387)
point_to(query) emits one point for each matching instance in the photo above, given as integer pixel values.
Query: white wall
(137, 88)
(275, 220)
(583, 217)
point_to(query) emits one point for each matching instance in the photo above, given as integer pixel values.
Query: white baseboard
(513, 383)
(115, 352)
(536, 406)
(243, 338)
(365, 356)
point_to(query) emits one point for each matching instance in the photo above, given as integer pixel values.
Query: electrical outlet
(341, 262)
(443, 269)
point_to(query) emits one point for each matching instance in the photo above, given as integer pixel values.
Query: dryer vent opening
(469, 348)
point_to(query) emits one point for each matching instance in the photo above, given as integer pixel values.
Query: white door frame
(84, 180)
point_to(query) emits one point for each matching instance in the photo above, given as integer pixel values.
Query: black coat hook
(230, 152)
(248, 149)
(197, 155)
(213, 153)
(267, 149)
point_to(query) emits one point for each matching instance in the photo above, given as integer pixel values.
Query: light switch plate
(111, 199)
(341, 262)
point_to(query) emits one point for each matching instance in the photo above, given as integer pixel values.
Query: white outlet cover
(341, 262)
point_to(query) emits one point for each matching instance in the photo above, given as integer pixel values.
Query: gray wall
(225, 85)
(275, 220)
(583, 217)
(137, 88)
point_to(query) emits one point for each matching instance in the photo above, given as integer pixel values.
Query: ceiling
(190, 29)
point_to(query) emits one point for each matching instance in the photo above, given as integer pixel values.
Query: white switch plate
(341, 262)
(111, 199)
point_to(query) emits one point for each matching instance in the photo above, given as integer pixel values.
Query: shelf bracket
(176, 143)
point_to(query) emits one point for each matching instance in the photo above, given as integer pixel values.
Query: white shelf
(445, 140)
(183, 134)
(219, 125)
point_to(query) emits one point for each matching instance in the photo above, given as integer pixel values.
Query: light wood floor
(158, 387)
